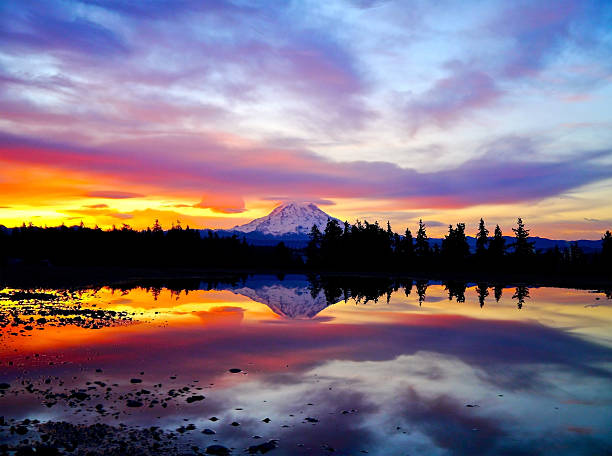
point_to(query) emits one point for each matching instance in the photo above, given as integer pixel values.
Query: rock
(208, 432)
(135, 380)
(264, 447)
(4, 386)
(235, 423)
(132, 403)
(266, 420)
(311, 420)
(218, 450)
(194, 399)
(235, 370)
(80, 396)
(213, 418)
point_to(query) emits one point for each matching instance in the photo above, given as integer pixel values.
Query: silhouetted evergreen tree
(497, 246)
(482, 239)
(313, 250)
(421, 246)
(523, 248)
(606, 252)
(455, 248)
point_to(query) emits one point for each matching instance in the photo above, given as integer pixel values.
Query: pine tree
(606, 251)
(407, 245)
(523, 248)
(313, 250)
(421, 248)
(497, 245)
(482, 239)
(157, 228)
(455, 248)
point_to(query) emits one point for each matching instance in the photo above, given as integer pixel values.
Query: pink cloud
(507, 173)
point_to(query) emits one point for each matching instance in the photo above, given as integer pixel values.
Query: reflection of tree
(421, 287)
(408, 287)
(483, 292)
(521, 293)
(456, 290)
(498, 291)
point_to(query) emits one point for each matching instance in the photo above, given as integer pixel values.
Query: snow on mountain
(296, 218)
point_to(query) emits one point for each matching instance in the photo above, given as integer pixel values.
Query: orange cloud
(222, 203)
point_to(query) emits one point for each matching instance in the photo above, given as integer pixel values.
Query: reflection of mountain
(290, 298)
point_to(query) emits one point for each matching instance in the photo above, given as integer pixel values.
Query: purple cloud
(52, 27)
(449, 98)
(510, 176)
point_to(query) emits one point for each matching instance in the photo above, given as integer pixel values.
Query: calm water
(409, 373)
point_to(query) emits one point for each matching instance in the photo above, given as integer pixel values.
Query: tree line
(368, 246)
(125, 246)
(361, 247)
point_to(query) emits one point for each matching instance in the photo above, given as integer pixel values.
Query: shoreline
(72, 277)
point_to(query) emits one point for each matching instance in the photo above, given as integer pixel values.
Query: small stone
(208, 432)
(264, 447)
(217, 450)
(235, 370)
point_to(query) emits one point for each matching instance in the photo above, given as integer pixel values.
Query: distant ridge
(291, 222)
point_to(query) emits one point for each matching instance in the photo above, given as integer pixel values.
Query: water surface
(319, 367)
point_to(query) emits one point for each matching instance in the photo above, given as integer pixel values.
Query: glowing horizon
(212, 114)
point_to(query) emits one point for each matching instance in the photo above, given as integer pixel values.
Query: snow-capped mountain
(288, 218)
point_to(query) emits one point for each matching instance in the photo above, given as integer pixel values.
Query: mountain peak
(288, 218)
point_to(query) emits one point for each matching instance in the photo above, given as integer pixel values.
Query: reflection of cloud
(450, 424)
(416, 372)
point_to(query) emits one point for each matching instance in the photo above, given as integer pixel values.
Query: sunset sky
(214, 112)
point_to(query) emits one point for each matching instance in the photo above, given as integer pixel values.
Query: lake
(298, 366)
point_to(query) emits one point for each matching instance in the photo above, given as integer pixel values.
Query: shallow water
(413, 372)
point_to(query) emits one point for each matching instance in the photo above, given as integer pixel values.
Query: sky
(213, 113)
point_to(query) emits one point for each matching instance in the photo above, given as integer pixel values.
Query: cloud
(50, 27)
(121, 216)
(450, 98)
(96, 206)
(434, 223)
(509, 171)
(113, 194)
(224, 204)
